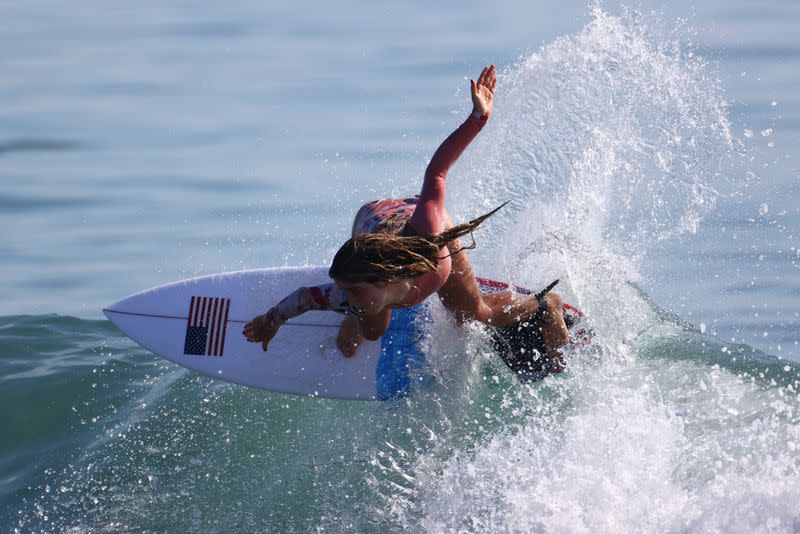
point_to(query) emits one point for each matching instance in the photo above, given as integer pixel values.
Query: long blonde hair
(379, 258)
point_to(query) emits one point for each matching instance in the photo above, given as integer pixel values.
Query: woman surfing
(403, 250)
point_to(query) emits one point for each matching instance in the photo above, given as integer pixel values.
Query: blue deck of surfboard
(402, 361)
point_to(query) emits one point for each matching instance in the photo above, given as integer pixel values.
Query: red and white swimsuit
(421, 214)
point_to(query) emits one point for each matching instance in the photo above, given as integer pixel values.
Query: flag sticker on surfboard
(206, 326)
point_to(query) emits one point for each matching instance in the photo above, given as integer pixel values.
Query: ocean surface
(650, 153)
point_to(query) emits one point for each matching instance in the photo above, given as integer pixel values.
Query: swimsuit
(417, 215)
(387, 216)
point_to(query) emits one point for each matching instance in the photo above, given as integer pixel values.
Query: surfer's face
(366, 297)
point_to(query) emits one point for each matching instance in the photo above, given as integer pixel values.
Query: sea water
(650, 156)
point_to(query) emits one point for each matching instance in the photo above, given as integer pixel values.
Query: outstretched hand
(261, 328)
(483, 91)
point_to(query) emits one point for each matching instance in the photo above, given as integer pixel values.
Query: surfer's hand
(350, 336)
(261, 328)
(483, 91)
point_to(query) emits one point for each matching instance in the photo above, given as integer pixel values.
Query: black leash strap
(543, 301)
(546, 290)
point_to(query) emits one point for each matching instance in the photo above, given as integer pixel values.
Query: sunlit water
(636, 178)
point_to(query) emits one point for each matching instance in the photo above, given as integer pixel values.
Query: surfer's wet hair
(381, 258)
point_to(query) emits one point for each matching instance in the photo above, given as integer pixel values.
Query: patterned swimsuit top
(388, 216)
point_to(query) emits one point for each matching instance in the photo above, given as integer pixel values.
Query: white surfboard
(197, 323)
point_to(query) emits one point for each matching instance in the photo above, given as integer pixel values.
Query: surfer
(404, 250)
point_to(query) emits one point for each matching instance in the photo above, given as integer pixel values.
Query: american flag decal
(206, 326)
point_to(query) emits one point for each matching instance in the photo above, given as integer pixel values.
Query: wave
(609, 140)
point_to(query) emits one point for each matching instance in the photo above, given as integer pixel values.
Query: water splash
(607, 141)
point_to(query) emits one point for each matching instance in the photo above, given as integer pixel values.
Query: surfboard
(197, 323)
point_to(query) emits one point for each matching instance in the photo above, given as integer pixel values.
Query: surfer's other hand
(261, 328)
(483, 91)
(350, 336)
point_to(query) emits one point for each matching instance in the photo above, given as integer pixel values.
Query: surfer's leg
(460, 295)
(510, 308)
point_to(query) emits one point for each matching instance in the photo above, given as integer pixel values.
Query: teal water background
(652, 157)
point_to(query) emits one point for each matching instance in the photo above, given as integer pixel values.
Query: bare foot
(349, 337)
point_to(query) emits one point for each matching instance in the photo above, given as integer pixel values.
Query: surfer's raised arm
(432, 196)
